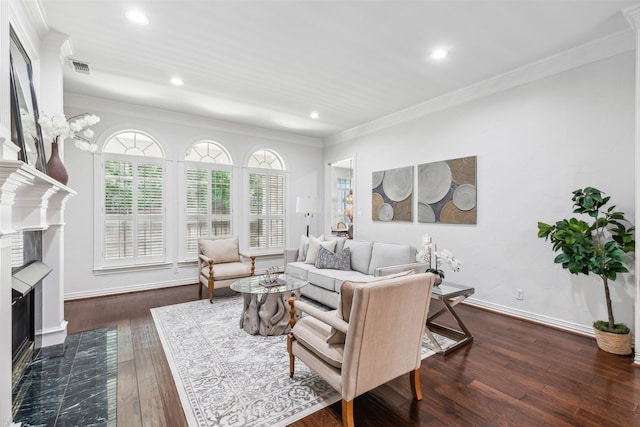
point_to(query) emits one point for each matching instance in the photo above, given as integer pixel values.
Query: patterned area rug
(226, 377)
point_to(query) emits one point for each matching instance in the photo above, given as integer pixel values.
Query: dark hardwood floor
(515, 373)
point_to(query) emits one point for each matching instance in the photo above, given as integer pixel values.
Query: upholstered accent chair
(373, 337)
(221, 263)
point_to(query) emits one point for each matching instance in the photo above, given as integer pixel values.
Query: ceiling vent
(80, 67)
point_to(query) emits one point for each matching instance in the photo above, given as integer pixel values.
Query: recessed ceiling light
(439, 53)
(138, 17)
(176, 81)
(314, 115)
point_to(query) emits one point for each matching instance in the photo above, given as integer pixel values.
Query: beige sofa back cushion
(220, 250)
(386, 254)
(360, 254)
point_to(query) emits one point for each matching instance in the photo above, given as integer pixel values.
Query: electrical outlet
(519, 294)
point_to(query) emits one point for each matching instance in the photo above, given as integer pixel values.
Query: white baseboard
(53, 336)
(586, 330)
(124, 289)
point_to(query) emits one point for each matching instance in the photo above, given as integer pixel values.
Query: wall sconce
(307, 206)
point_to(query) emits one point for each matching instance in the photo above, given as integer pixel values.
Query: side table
(450, 294)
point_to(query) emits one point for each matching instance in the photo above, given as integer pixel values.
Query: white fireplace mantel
(29, 199)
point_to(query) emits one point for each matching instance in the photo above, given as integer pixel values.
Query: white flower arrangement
(58, 126)
(429, 254)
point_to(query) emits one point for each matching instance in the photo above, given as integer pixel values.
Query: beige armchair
(378, 339)
(220, 263)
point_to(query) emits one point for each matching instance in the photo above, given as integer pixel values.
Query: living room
(539, 131)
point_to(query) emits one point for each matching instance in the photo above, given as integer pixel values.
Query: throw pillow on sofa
(340, 260)
(346, 299)
(304, 247)
(314, 247)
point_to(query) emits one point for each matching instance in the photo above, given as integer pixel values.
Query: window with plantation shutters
(133, 214)
(208, 194)
(267, 201)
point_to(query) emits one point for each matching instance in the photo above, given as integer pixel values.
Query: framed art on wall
(447, 191)
(392, 195)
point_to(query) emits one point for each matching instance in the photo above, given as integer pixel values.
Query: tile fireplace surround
(31, 201)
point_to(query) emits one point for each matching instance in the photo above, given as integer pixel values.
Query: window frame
(249, 217)
(183, 254)
(101, 262)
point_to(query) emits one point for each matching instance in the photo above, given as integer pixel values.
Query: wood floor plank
(125, 345)
(151, 406)
(128, 410)
(514, 373)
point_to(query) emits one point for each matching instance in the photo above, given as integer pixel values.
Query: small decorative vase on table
(55, 167)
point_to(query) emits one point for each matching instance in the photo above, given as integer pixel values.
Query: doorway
(342, 197)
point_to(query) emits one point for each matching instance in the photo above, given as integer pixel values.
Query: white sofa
(369, 259)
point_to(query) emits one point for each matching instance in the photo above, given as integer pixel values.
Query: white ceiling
(270, 63)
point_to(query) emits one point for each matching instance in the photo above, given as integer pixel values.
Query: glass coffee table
(265, 310)
(450, 294)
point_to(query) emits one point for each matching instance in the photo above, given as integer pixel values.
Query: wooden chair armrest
(253, 261)
(328, 317)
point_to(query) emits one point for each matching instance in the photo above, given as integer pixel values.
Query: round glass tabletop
(258, 285)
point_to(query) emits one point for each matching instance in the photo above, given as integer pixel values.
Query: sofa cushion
(313, 334)
(302, 248)
(339, 242)
(346, 299)
(228, 270)
(220, 250)
(386, 254)
(340, 260)
(360, 255)
(314, 247)
(299, 269)
(322, 278)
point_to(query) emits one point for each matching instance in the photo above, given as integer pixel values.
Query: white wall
(176, 133)
(535, 144)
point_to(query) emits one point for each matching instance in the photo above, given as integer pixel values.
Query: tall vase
(55, 167)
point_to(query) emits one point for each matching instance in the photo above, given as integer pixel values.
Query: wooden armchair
(220, 263)
(378, 338)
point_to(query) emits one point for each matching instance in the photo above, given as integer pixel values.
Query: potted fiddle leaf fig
(599, 246)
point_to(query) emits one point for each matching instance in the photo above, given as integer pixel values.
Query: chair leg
(292, 359)
(199, 289)
(290, 337)
(347, 413)
(414, 378)
(211, 281)
(292, 364)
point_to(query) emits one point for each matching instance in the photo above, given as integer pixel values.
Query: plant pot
(614, 343)
(55, 167)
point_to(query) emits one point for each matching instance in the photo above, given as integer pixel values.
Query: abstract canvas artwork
(447, 191)
(392, 198)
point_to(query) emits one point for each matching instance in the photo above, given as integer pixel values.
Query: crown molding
(85, 102)
(603, 48)
(58, 42)
(633, 16)
(28, 21)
